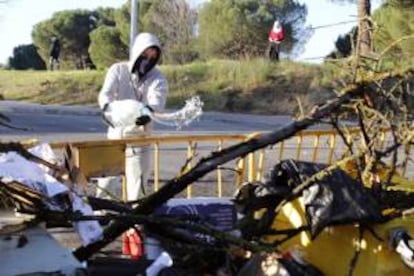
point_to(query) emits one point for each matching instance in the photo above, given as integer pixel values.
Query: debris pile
(230, 236)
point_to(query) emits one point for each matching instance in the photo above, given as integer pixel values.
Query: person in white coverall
(139, 79)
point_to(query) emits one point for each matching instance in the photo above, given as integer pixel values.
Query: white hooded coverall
(151, 89)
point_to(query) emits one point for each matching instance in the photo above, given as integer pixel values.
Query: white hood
(276, 26)
(142, 42)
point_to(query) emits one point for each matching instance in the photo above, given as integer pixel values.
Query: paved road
(78, 123)
(58, 123)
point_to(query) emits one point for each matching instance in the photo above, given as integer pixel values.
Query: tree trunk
(364, 27)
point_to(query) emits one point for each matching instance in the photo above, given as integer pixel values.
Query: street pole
(134, 24)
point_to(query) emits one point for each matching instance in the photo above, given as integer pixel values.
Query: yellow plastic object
(334, 248)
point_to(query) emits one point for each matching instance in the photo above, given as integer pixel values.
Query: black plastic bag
(336, 199)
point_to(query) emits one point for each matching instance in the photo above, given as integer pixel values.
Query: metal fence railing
(176, 154)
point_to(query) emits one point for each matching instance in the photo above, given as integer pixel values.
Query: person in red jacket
(276, 36)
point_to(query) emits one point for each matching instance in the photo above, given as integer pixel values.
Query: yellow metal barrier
(315, 148)
(156, 166)
(106, 157)
(219, 174)
(190, 157)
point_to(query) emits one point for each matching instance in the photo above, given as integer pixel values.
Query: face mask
(145, 65)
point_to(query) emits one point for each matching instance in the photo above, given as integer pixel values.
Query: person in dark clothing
(54, 54)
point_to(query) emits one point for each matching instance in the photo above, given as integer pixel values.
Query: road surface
(67, 123)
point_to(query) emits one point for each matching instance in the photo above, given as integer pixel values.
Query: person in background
(54, 53)
(141, 81)
(276, 36)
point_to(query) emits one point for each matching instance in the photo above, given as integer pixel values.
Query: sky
(17, 18)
